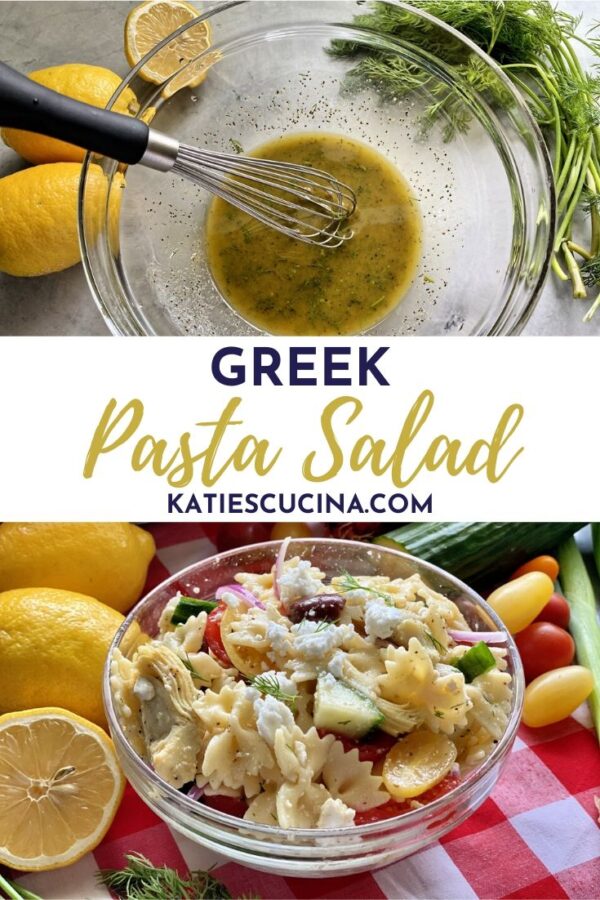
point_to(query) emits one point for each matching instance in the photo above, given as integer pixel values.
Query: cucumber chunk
(188, 606)
(344, 710)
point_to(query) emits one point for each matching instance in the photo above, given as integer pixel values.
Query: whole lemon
(38, 212)
(91, 84)
(53, 645)
(107, 560)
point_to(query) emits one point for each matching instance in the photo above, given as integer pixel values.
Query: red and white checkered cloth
(536, 837)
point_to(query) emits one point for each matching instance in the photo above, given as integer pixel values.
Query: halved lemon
(417, 763)
(60, 784)
(151, 22)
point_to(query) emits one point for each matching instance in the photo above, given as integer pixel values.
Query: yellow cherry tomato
(290, 529)
(544, 563)
(520, 601)
(417, 763)
(555, 695)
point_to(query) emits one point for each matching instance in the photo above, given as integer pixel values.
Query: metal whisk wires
(304, 203)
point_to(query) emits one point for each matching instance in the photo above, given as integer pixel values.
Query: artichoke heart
(164, 691)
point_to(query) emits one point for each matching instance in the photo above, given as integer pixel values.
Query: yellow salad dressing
(284, 286)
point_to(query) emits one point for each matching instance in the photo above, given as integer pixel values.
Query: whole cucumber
(480, 552)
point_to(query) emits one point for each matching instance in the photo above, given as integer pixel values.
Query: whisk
(305, 203)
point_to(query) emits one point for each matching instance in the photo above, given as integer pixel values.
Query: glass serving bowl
(485, 196)
(316, 853)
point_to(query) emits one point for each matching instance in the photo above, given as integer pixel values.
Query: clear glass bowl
(486, 196)
(316, 853)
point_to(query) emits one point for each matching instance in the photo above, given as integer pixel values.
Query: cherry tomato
(518, 602)
(556, 611)
(446, 785)
(546, 564)
(237, 534)
(385, 811)
(290, 529)
(233, 806)
(543, 647)
(370, 749)
(212, 635)
(555, 695)
(396, 807)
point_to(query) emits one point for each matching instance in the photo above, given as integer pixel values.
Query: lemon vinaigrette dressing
(285, 286)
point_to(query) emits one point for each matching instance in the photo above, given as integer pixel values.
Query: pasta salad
(297, 702)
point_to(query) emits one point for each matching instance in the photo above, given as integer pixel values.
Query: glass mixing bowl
(316, 853)
(485, 196)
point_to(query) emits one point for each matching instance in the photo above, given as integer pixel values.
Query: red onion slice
(278, 570)
(195, 792)
(474, 637)
(241, 593)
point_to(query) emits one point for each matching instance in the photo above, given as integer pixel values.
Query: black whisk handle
(32, 107)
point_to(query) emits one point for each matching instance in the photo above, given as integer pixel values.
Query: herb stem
(579, 291)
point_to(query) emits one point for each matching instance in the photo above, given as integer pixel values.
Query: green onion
(476, 661)
(16, 891)
(583, 625)
(188, 606)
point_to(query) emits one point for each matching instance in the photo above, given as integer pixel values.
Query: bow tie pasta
(312, 704)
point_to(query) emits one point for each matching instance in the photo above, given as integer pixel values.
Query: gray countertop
(38, 34)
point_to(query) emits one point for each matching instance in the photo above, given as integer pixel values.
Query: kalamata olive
(323, 607)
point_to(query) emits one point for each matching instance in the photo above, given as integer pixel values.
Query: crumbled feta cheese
(252, 694)
(358, 595)
(144, 689)
(335, 814)
(286, 684)
(336, 664)
(231, 600)
(314, 641)
(297, 582)
(278, 637)
(381, 619)
(271, 714)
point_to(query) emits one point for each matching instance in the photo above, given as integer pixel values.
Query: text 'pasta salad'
(300, 703)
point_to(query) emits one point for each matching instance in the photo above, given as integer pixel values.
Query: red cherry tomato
(556, 611)
(395, 808)
(212, 635)
(385, 811)
(233, 806)
(446, 785)
(543, 647)
(238, 534)
(371, 749)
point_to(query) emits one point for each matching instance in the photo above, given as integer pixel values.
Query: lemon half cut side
(61, 787)
(150, 23)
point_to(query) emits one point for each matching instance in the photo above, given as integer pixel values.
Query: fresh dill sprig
(350, 583)
(268, 684)
(535, 44)
(188, 664)
(590, 271)
(140, 880)
(436, 644)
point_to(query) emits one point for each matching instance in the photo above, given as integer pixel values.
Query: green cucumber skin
(479, 551)
(188, 607)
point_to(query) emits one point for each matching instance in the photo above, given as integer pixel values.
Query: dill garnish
(268, 684)
(350, 583)
(535, 45)
(140, 880)
(437, 644)
(188, 664)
